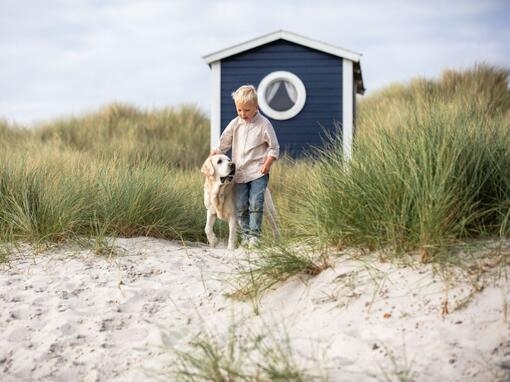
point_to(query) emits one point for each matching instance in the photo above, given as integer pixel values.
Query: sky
(61, 58)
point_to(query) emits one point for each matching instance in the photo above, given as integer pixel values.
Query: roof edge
(283, 35)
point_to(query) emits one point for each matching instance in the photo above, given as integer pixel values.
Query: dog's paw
(213, 241)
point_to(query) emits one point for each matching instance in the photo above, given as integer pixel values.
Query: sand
(70, 315)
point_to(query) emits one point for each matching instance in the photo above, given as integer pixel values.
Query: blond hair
(245, 94)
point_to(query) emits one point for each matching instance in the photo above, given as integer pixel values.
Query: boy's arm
(273, 146)
(225, 141)
(273, 150)
(267, 165)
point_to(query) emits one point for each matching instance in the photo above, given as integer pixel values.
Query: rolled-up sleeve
(226, 139)
(273, 149)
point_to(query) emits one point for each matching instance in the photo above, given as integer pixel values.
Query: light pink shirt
(251, 143)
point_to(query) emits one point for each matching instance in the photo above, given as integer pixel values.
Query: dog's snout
(232, 166)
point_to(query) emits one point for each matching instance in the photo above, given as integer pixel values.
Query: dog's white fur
(219, 197)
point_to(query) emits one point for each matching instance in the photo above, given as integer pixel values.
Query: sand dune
(69, 315)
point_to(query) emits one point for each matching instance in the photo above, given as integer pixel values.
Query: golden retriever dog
(219, 197)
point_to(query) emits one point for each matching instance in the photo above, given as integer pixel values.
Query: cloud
(62, 57)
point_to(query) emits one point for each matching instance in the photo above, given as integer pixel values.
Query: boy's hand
(267, 165)
(264, 169)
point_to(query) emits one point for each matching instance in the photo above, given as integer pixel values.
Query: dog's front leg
(209, 231)
(232, 232)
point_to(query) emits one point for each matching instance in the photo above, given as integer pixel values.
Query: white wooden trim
(285, 76)
(216, 104)
(347, 107)
(292, 37)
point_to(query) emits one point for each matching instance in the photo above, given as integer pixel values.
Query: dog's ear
(208, 168)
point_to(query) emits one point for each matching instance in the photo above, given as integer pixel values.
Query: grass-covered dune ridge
(430, 168)
(60, 197)
(117, 172)
(177, 137)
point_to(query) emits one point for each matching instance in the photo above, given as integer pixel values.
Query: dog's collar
(226, 179)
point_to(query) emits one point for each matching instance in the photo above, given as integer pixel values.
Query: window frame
(281, 75)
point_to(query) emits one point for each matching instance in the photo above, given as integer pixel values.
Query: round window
(282, 95)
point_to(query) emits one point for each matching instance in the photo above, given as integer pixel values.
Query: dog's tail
(271, 215)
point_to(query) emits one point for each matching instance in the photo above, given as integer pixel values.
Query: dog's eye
(219, 161)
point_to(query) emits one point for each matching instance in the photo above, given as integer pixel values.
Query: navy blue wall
(321, 74)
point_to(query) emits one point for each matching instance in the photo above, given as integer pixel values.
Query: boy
(254, 148)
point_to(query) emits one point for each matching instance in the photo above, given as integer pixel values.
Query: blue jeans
(249, 200)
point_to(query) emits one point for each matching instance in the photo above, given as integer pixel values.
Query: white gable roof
(282, 35)
(297, 39)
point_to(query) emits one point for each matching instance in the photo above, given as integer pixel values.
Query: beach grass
(51, 201)
(57, 183)
(243, 354)
(174, 137)
(263, 269)
(430, 170)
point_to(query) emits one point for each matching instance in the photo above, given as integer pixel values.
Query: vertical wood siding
(321, 74)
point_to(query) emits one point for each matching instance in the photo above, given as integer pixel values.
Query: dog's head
(219, 167)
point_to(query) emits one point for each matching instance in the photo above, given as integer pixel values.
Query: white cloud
(64, 57)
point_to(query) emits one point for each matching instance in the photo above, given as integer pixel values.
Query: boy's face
(246, 110)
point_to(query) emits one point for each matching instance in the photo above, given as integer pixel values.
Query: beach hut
(306, 88)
